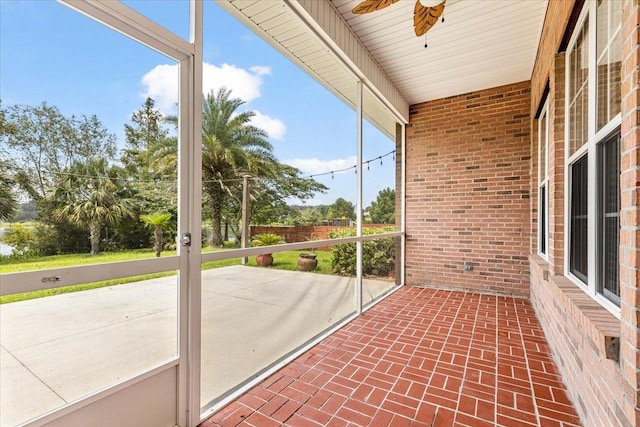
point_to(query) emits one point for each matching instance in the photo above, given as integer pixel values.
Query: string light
(174, 181)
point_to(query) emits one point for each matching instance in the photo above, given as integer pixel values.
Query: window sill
(602, 327)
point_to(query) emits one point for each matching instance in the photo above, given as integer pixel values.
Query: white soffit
(481, 44)
(283, 24)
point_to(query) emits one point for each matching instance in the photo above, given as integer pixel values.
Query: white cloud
(242, 83)
(315, 166)
(161, 83)
(275, 128)
(162, 87)
(260, 70)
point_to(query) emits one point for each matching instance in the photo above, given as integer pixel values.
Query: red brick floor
(422, 357)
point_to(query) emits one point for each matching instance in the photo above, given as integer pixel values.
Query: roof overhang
(482, 44)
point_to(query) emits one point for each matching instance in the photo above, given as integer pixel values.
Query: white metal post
(194, 176)
(359, 199)
(403, 204)
(245, 215)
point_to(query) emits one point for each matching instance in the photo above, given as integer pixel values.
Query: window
(578, 90)
(543, 179)
(609, 217)
(593, 152)
(609, 55)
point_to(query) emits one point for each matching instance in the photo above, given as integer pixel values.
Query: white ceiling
(481, 44)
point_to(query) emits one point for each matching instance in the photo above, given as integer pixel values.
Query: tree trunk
(94, 237)
(157, 246)
(216, 220)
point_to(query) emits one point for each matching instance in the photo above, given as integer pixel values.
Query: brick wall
(467, 191)
(577, 341)
(555, 252)
(604, 391)
(630, 202)
(555, 25)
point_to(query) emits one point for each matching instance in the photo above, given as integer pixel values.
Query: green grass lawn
(10, 265)
(282, 260)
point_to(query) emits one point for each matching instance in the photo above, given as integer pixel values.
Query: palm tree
(92, 195)
(157, 221)
(231, 148)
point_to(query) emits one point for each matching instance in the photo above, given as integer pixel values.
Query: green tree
(25, 212)
(42, 143)
(342, 208)
(150, 157)
(269, 193)
(231, 147)
(383, 209)
(92, 195)
(157, 221)
(8, 202)
(143, 135)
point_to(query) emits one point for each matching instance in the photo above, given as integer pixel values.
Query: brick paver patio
(422, 357)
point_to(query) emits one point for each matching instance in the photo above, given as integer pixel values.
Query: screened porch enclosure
(501, 290)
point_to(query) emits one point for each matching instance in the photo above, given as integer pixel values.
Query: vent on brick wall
(612, 348)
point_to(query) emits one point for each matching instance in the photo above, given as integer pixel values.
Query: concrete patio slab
(26, 395)
(58, 349)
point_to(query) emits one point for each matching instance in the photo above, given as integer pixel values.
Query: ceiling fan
(425, 13)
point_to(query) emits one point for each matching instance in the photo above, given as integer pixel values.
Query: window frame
(543, 181)
(590, 147)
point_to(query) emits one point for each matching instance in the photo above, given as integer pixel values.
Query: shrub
(266, 239)
(45, 239)
(40, 239)
(21, 239)
(378, 256)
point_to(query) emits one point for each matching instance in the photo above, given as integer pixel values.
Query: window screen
(578, 261)
(609, 217)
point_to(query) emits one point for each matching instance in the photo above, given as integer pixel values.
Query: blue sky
(51, 53)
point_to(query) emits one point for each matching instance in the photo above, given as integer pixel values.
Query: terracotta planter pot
(307, 262)
(264, 260)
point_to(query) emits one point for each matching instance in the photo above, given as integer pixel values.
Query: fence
(293, 234)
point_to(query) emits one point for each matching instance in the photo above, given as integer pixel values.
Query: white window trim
(589, 12)
(543, 178)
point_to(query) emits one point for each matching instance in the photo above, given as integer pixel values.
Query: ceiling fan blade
(426, 17)
(368, 6)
